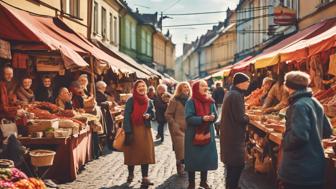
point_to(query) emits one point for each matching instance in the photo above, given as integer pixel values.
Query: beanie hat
(240, 78)
(297, 80)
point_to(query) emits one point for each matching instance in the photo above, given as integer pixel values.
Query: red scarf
(140, 105)
(202, 102)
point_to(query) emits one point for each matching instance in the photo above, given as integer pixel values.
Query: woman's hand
(146, 116)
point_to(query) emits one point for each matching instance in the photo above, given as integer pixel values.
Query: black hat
(240, 78)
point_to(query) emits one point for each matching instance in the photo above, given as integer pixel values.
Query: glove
(128, 139)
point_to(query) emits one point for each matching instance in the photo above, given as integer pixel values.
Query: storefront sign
(5, 51)
(284, 16)
(49, 64)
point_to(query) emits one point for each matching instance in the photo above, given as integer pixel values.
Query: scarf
(140, 105)
(202, 102)
(25, 95)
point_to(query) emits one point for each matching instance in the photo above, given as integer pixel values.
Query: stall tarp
(153, 71)
(270, 56)
(130, 62)
(29, 29)
(224, 72)
(311, 46)
(241, 65)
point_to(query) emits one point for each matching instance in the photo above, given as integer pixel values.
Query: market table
(71, 153)
(276, 138)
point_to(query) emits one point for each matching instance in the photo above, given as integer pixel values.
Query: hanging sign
(284, 16)
(5, 51)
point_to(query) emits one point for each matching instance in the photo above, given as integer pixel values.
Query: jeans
(144, 170)
(191, 176)
(294, 186)
(232, 176)
(161, 130)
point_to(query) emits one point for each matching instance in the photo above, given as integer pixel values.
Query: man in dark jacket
(46, 92)
(303, 163)
(160, 109)
(218, 95)
(232, 130)
(107, 120)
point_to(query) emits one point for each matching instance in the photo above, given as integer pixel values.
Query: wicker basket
(42, 158)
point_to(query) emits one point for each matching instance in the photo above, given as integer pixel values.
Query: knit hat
(240, 78)
(297, 80)
(266, 80)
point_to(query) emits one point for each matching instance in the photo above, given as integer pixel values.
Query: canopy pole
(93, 86)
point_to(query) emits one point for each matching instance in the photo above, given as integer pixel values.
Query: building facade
(255, 25)
(136, 35)
(105, 22)
(315, 11)
(72, 12)
(164, 53)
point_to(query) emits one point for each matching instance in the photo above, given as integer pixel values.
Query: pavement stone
(109, 172)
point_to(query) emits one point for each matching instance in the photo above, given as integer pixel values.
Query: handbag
(7, 128)
(202, 136)
(119, 139)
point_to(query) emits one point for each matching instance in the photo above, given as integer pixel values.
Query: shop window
(149, 44)
(128, 34)
(133, 36)
(71, 7)
(95, 18)
(115, 26)
(143, 42)
(111, 28)
(103, 23)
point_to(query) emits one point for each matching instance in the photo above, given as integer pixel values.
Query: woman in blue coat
(200, 145)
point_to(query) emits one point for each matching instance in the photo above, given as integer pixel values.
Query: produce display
(12, 178)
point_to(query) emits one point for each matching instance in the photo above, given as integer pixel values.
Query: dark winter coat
(218, 95)
(42, 94)
(160, 109)
(303, 160)
(232, 128)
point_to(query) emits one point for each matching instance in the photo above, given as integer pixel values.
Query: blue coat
(199, 158)
(303, 160)
(127, 124)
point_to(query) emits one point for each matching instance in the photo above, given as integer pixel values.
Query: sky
(188, 34)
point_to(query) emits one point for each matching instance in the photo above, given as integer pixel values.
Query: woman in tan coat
(139, 146)
(176, 122)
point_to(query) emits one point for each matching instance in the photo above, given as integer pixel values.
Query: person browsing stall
(232, 130)
(303, 162)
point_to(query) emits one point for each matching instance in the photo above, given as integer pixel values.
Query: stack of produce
(254, 98)
(12, 178)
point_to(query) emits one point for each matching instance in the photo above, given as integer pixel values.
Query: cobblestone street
(109, 172)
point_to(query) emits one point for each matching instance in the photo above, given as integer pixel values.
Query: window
(149, 44)
(115, 26)
(127, 34)
(95, 18)
(71, 7)
(133, 36)
(143, 42)
(111, 29)
(103, 23)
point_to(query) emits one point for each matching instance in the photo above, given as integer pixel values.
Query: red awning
(322, 40)
(56, 35)
(270, 56)
(22, 26)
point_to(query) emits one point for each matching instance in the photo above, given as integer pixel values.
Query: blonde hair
(179, 87)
